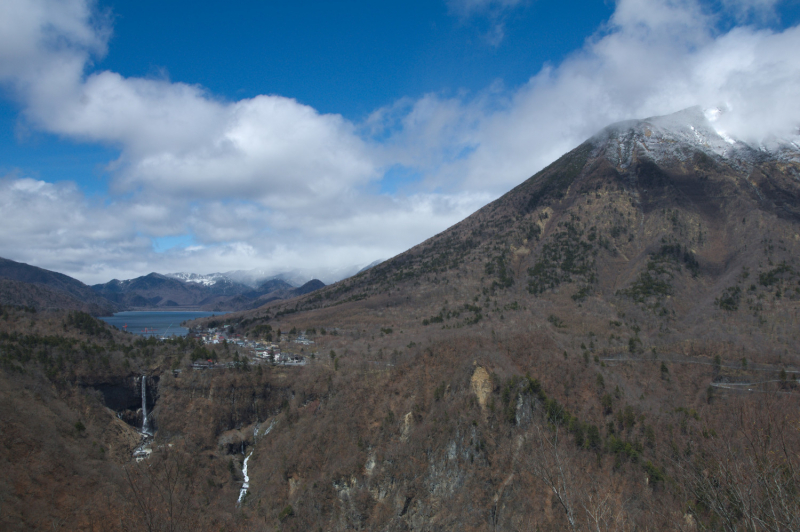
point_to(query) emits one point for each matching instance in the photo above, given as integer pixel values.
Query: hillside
(27, 285)
(609, 346)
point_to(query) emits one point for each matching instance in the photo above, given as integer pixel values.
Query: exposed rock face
(408, 424)
(481, 386)
(235, 441)
(123, 395)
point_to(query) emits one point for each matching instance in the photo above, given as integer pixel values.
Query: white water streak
(144, 405)
(246, 483)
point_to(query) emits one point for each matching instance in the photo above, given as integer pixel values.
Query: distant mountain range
(25, 285)
(257, 277)
(207, 292)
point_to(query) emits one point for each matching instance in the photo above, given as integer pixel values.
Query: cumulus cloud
(48, 39)
(178, 140)
(268, 182)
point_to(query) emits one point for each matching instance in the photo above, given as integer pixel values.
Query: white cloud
(48, 38)
(57, 227)
(175, 139)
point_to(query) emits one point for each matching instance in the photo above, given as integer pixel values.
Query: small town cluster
(283, 353)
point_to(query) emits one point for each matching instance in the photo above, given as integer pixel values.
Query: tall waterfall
(144, 405)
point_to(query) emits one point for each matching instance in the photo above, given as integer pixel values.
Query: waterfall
(144, 404)
(246, 483)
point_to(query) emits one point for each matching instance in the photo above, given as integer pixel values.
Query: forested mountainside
(25, 285)
(609, 346)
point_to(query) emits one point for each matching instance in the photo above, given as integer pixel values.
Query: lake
(155, 323)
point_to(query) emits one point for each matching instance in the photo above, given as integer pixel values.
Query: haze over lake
(155, 323)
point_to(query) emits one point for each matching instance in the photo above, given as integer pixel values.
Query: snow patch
(206, 280)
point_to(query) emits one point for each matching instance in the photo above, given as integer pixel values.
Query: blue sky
(342, 57)
(175, 136)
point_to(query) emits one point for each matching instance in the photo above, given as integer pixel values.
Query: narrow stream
(246, 484)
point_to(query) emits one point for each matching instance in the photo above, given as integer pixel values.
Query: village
(255, 351)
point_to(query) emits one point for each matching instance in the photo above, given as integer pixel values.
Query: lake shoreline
(157, 322)
(170, 309)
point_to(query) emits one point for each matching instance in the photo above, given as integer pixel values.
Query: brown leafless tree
(588, 502)
(160, 493)
(746, 478)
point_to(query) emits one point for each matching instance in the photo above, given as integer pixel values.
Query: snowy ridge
(256, 277)
(677, 136)
(206, 280)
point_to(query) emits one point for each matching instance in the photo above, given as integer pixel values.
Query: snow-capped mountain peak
(679, 135)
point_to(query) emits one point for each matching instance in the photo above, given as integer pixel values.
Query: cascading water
(246, 483)
(145, 428)
(144, 449)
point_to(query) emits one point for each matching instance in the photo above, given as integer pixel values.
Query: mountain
(544, 360)
(271, 290)
(26, 285)
(311, 286)
(206, 280)
(370, 265)
(274, 285)
(667, 199)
